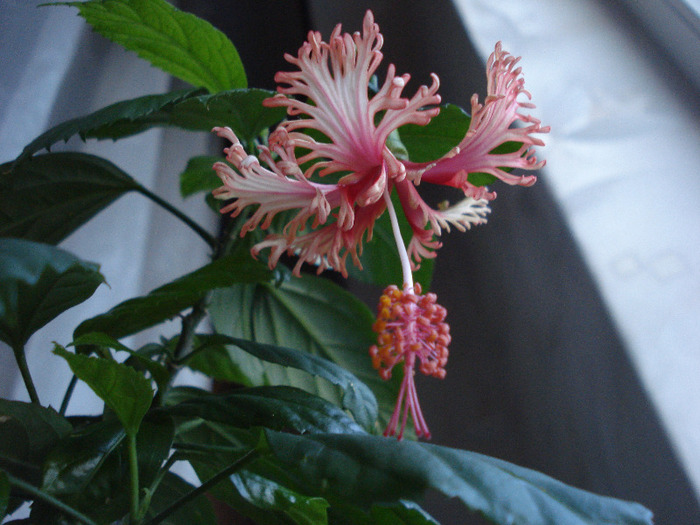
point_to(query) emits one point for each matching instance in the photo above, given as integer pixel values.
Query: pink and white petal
(326, 247)
(490, 127)
(426, 222)
(273, 193)
(335, 75)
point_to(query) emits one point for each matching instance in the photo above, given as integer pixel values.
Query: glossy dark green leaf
(268, 495)
(199, 175)
(276, 407)
(444, 132)
(404, 513)
(172, 488)
(89, 469)
(50, 196)
(37, 283)
(261, 491)
(176, 42)
(123, 389)
(363, 470)
(153, 444)
(355, 395)
(4, 494)
(72, 465)
(215, 361)
(27, 433)
(114, 121)
(169, 300)
(310, 314)
(239, 109)
(15, 446)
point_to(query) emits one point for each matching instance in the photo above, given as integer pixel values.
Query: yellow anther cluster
(410, 325)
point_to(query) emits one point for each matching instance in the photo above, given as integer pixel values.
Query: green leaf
(269, 495)
(169, 300)
(4, 494)
(355, 397)
(88, 468)
(261, 491)
(405, 513)
(37, 283)
(239, 109)
(72, 465)
(54, 194)
(276, 407)
(42, 428)
(215, 361)
(444, 132)
(159, 373)
(115, 121)
(310, 314)
(363, 469)
(170, 490)
(199, 176)
(122, 388)
(176, 42)
(153, 444)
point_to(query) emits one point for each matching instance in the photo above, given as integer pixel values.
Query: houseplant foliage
(299, 438)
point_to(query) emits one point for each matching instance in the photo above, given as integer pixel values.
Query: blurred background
(575, 311)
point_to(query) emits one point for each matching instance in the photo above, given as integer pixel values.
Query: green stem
(24, 370)
(68, 395)
(146, 501)
(32, 490)
(204, 487)
(208, 238)
(189, 326)
(195, 447)
(134, 475)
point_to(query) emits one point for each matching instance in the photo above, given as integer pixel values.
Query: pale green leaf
(176, 42)
(123, 389)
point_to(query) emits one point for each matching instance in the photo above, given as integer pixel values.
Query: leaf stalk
(21, 359)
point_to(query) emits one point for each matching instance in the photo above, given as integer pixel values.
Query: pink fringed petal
(272, 191)
(427, 223)
(335, 76)
(490, 127)
(327, 247)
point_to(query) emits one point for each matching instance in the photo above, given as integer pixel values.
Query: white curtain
(622, 160)
(58, 70)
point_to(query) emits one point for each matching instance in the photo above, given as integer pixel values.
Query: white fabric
(138, 245)
(622, 159)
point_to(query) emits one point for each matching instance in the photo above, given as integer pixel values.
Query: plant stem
(24, 370)
(134, 475)
(146, 501)
(68, 395)
(205, 448)
(31, 489)
(189, 325)
(238, 464)
(208, 238)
